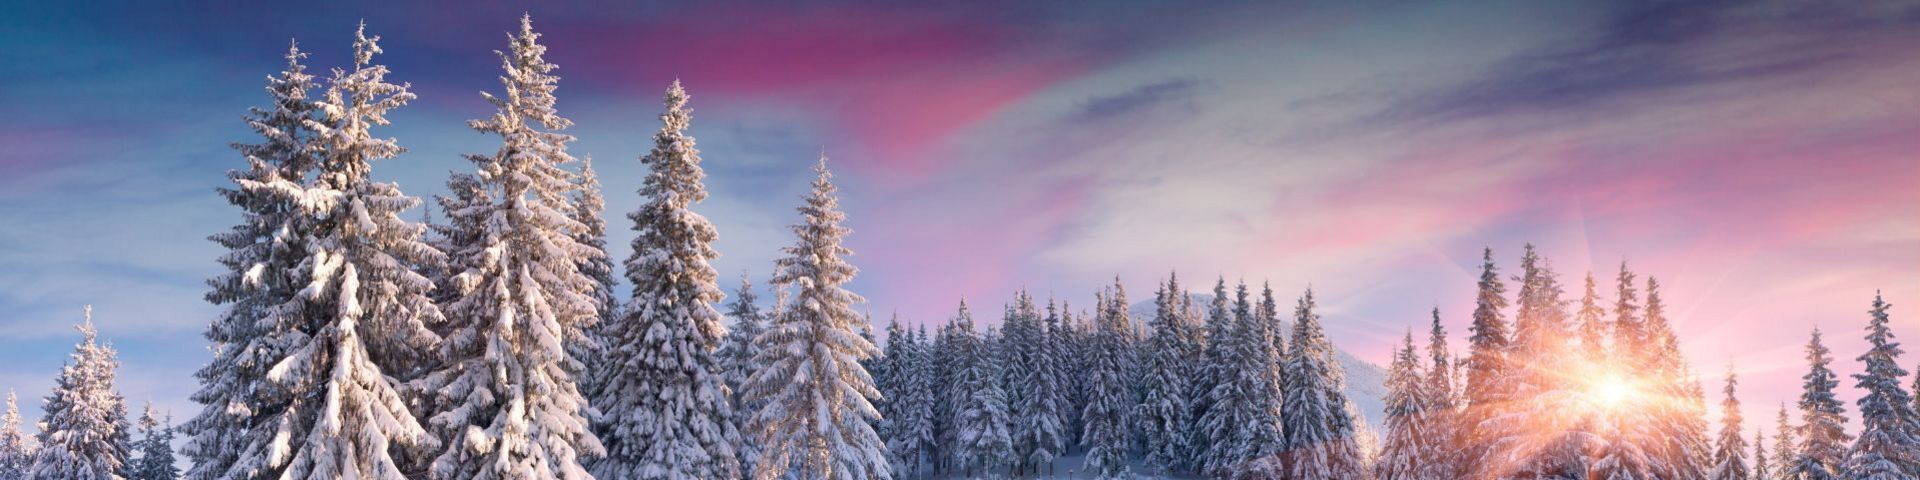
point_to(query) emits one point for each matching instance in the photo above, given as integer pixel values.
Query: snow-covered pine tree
(1208, 373)
(505, 401)
(1487, 372)
(1886, 448)
(1761, 462)
(1074, 338)
(1537, 432)
(1730, 452)
(1037, 426)
(1163, 414)
(1443, 407)
(1785, 445)
(1243, 419)
(84, 435)
(1823, 434)
(892, 380)
(260, 322)
(913, 437)
(1408, 449)
(1632, 443)
(737, 353)
(1274, 345)
(1105, 416)
(156, 449)
(1319, 430)
(16, 451)
(586, 204)
(944, 367)
(664, 410)
(980, 417)
(816, 396)
(1688, 452)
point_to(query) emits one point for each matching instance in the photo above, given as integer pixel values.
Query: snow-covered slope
(1366, 382)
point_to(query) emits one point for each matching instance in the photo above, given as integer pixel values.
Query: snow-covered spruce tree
(585, 205)
(663, 406)
(1442, 409)
(817, 398)
(1761, 462)
(913, 436)
(1039, 431)
(16, 451)
(1164, 411)
(1785, 445)
(1409, 445)
(1207, 375)
(1730, 451)
(980, 417)
(737, 353)
(1886, 448)
(1243, 420)
(1823, 435)
(505, 401)
(260, 322)
(156, 449)
(84, 435)
(891, 377)
(1105, 416)
(1538, 433)
(1688, 453)
(1319, 429)
(944, 369)
(1487, 372)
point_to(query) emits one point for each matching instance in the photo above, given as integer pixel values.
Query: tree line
(491, 344)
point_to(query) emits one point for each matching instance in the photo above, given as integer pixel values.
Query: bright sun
(1611, 391)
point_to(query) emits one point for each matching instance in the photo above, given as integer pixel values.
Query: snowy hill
(1366, 382)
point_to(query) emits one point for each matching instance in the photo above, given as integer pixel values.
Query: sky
(1758, 157)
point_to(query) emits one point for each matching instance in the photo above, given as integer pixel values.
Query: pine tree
(1164, 411)
(1443, 408)
(261, 322)
(1823, 435)
(156, 449)
(584, 207)
(504, 400)
(1409, 447)
(1487, 373)
(1537, 432)
(1784, 446)
(1319, 428)
(980, 418)
(810, 379)
(1762, 469)
(1688, 452)
(1208, 374)
(1243, 419)
(737, 352)
(1107, 398)
(1037, 425)
(912, 439)
(1730, 452)
(1887, 448)
(84, 435)
(16, 451)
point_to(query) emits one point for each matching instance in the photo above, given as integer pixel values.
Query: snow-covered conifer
(505, 400)
(156, 449)
(1243, 419)
(1105, 416)
(817, 398)
(737, 355)
(1207, 375)
(1823, 435)
(1317, 420)
(84, 435)
(1487, 372)
(1165, 409)
(1762, 463)
(16, 450)
(1443, 406)
(912, 436)
(1730, 452)
(980, 418)
(1785, 444)
(1886, 448)
(1408, 448)
(1038, 429)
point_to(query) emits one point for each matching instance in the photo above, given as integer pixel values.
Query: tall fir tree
(1164, 410)
(664, 413)
(1039, 432)
(980, 418)
(1762, 462)
(1730, 451)
(261, 321)
(1887, 448)
(737, 353)
(505, 399)
(1688, 452)
(1823, 434)
(1785, 445)
(1443, 409)
(84, 435)
(1487, 372)
(156, 460)
(1410, 444)
(16, 448)
(912, 438)
(1319, 426)
(584, 207)
(1243, 419)
(1105, 416)
(817, 398)
(1212, 368)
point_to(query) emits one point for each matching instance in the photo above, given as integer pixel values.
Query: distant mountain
(1366, 382)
